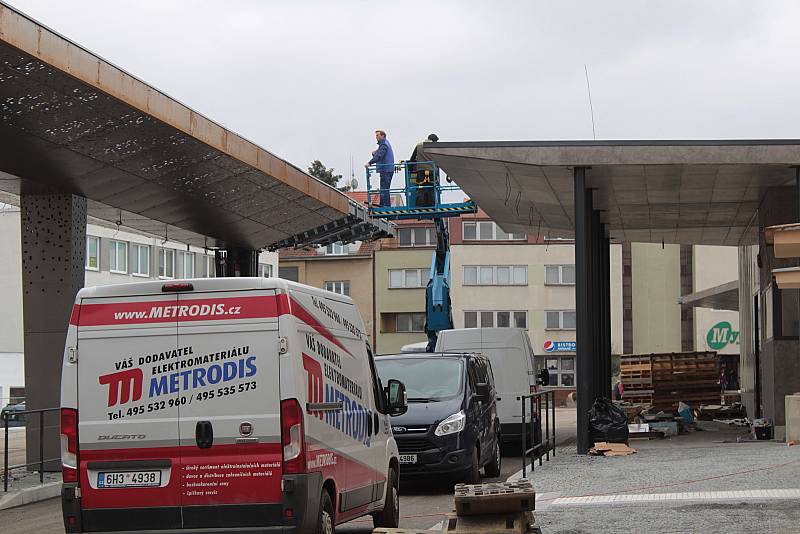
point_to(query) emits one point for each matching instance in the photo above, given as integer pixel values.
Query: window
(289, 273)
(166, 263)
(489, 319)
(416, 237)
(141, 260)
(410, 322)
(561, 370)
(337, 249)
(559, 320)
(265, 270)
(118, 257)
(209, 266)
(495, 275)
(559, 275)
(408, 278)
(92, 247)
(185, 264)
(488, 231)
(342, 287)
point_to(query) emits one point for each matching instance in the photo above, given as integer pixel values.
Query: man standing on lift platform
(423, 174)
(383, 159)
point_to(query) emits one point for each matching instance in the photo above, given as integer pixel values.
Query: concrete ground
(701, 482)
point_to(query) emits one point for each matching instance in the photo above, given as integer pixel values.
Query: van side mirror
(396, 399)
(483, 392)
(544, 377)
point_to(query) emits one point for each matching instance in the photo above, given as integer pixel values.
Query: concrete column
(53, 232)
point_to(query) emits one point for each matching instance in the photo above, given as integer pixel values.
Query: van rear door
(129, 472)
(230, 434)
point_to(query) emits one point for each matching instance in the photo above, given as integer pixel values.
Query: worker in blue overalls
(383, 159)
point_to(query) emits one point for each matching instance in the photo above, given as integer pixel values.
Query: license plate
(129, 479)
(408, 458)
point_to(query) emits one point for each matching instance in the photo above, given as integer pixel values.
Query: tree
(321, 172)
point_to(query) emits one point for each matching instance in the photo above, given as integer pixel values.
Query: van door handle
(204, 434)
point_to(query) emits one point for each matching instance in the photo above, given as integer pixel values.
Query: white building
(113, 256)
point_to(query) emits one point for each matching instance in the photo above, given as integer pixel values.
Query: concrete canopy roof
(722, 297)
(690, 192)
(72, 122)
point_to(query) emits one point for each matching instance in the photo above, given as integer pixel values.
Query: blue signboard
(559, 346)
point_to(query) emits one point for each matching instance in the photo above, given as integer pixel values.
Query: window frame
(113, 253)
(136, 248)
(180, 259)
(560, 267)
(410, 316)
(344, 284)
(512, 316)
(262, 267)
(559, 371)
(560, 320)
(512, 269)
(162, 263)
(344, 249)
(476, 224)
(423, 273)
(96, 240)
(209, 266)
(429, 233)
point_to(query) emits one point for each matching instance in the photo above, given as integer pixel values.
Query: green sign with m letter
(720, 335)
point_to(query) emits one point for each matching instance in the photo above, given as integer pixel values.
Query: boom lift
(422, 193)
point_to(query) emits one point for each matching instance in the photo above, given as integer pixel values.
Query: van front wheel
(325, 524)
(389, 517)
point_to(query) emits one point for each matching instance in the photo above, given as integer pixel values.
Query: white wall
(12, 374)
(10, 283)
(714, 266)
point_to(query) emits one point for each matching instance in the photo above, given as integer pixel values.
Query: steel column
(583, 354)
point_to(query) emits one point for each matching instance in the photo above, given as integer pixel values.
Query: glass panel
(568, 274)
(470, 319)
(521, 319)
(170, 255)
(552, 364)
(403, 322)
(211, 269)
(289, 273)
(486, 230)
(521, 275)
(420, 237)
(789, 312)
(567, 379)
(470, 276)
(179, 266)
(501, 235)
(569, 319)
(485, 275)
(520, 237)
(551, 274)
(112, 252)
(567, 364)
(469, 231)
(404, 234)
(504, 319)
(188, 265)
(91, 252)
(346, 288)
(412, 278)
(395, 278)
(122, 257)
(418, 322)
(161, 260)
(487, 319)
(553, 379)
(503, 276)
(551, 319)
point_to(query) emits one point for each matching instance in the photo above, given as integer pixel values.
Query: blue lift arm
(438, 313)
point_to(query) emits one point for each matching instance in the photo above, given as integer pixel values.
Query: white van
(510, 352)
(227, 404)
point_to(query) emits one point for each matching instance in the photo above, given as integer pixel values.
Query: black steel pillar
(584, 362)
(605, 303)
(237, 262)
(53, 234)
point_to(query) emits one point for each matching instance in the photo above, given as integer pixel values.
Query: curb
(30, 495)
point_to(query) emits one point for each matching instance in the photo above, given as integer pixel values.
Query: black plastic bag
(607, 422)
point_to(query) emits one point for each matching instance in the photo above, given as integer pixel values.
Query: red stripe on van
(289, 305)
(161, 311)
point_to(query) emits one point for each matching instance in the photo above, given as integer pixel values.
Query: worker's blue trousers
(386, 184)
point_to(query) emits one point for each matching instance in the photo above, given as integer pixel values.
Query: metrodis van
(229, 404)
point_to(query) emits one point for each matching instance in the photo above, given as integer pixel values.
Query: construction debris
(611, 449)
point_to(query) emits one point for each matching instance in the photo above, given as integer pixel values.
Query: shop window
(561, 370)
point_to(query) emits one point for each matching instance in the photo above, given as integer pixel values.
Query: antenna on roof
(591, 108)
(353, 181)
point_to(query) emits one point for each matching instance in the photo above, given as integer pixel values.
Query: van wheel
(492, 469)
(389, 517)
(474, 472)
(326, 516)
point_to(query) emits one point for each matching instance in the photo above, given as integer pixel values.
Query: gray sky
(313, 80)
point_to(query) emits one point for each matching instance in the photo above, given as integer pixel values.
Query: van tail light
(293, 437)
(69, 444)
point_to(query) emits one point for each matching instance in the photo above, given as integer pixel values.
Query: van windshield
(426, 379)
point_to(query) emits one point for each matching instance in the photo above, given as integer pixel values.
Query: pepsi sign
(560, 346)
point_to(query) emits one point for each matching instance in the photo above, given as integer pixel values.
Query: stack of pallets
(664, 380)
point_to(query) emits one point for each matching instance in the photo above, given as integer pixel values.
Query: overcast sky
(313, 80)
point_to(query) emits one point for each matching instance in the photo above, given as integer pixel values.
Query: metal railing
(541, 402)
(7, 417)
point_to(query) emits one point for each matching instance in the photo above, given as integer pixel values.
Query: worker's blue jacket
(384, 157)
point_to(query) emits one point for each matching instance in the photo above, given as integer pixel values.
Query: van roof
(477, 335)
(154, 287)
(420, 355)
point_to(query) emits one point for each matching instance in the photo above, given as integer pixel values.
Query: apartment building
(516, 280)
